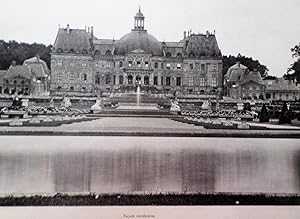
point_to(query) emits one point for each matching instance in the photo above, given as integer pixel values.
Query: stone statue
(66, 102)
(175, 106)
(96, 108)
(206, 105)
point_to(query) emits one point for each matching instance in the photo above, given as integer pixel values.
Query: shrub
(264, 115)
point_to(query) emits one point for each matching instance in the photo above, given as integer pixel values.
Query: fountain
(138, 94)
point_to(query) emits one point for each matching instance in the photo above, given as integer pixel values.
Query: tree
(285, 117)
(293, 72)
(247, 61)
(19, 52)
(264, 115)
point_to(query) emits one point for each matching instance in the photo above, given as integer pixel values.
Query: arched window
(130, 79)
(146, 80)
(179, 54)
(97, 52)
(168, 54)
(108, 53)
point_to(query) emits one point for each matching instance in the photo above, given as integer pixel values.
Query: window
(97, 64)
(121, 64)
(146, 80)
(114, 80)
(97, 78)
(146, 64)
(129, 64)
(161, 80)
(107, 65)
(71, 78)
(84, 78)
(191, 66)
(197, 66)
(121, 79)
(72, 63)
(178, 66)
(168, 54)
(202, 67)
(114, 63)
(83, 89)
(214, 67)
(59, 77)
(168, 65)
(179, 54)
(178, 81)
(59, 62)
(108, 53)
(202, 82)
(155, 65)
(162, 65)
(168, 81)
(71, 88)
(190, 81)
(214, 82)
(58, 88)
(107, 79)
(84, 63)
(138, 64)
(155, 80)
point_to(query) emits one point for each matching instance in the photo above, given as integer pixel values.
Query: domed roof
(138, 39)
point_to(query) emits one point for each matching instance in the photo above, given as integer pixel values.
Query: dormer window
(168, 66)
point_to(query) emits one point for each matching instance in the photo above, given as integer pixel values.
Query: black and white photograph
(141, 109)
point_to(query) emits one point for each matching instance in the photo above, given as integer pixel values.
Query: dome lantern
(139, 20)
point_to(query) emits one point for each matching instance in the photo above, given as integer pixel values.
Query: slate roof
(18, 70)
(37, 66)
(77, 40)
(254, 76)
(235, 72)
(281, 84)
(198, 45)
(2, 74)
(138, 39)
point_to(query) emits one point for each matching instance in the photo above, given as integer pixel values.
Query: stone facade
(281, 89)
(82, 64)
(242, 84)
(31, 78)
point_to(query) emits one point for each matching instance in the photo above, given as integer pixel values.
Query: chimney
(37, 57)
(88, 29)
(13, 63)
(239, 64)
(184, 34)
(92, 33)
(207, 34)
(68, 29)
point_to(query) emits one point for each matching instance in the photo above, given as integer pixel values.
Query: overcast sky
(263, 29)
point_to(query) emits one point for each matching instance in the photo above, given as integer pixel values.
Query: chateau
(84, 65)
